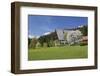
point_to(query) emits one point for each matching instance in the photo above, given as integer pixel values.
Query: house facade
(62, 34)
(66, 36)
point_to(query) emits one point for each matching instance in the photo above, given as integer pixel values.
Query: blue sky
(39, 25)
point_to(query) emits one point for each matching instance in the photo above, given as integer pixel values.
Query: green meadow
(62, 52)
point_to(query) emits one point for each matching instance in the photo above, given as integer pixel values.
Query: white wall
(5, 32)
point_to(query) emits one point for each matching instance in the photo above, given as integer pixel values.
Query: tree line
(50, 39)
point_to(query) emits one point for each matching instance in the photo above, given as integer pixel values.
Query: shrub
(83, 43)
(33, 43)
(38, 44)
(45, 45)
(56, 43)
(51, 43)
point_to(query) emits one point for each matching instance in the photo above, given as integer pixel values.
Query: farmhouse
(62, 34)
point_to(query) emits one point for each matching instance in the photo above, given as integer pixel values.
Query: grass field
(64, 52)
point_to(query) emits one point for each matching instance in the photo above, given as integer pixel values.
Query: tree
(41, 40)
(57, 43)
(84, 30)
(65, 36)
(33, 43)
(45, 45)
(38, 44)
(51, 43)
(48, 39)
(74, 37)
(29, 41)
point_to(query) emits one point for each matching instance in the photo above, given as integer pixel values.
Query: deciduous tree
(74, 37)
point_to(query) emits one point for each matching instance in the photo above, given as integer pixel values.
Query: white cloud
(31, 36)
(80, 26)
(37, 37)
(46, 33)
